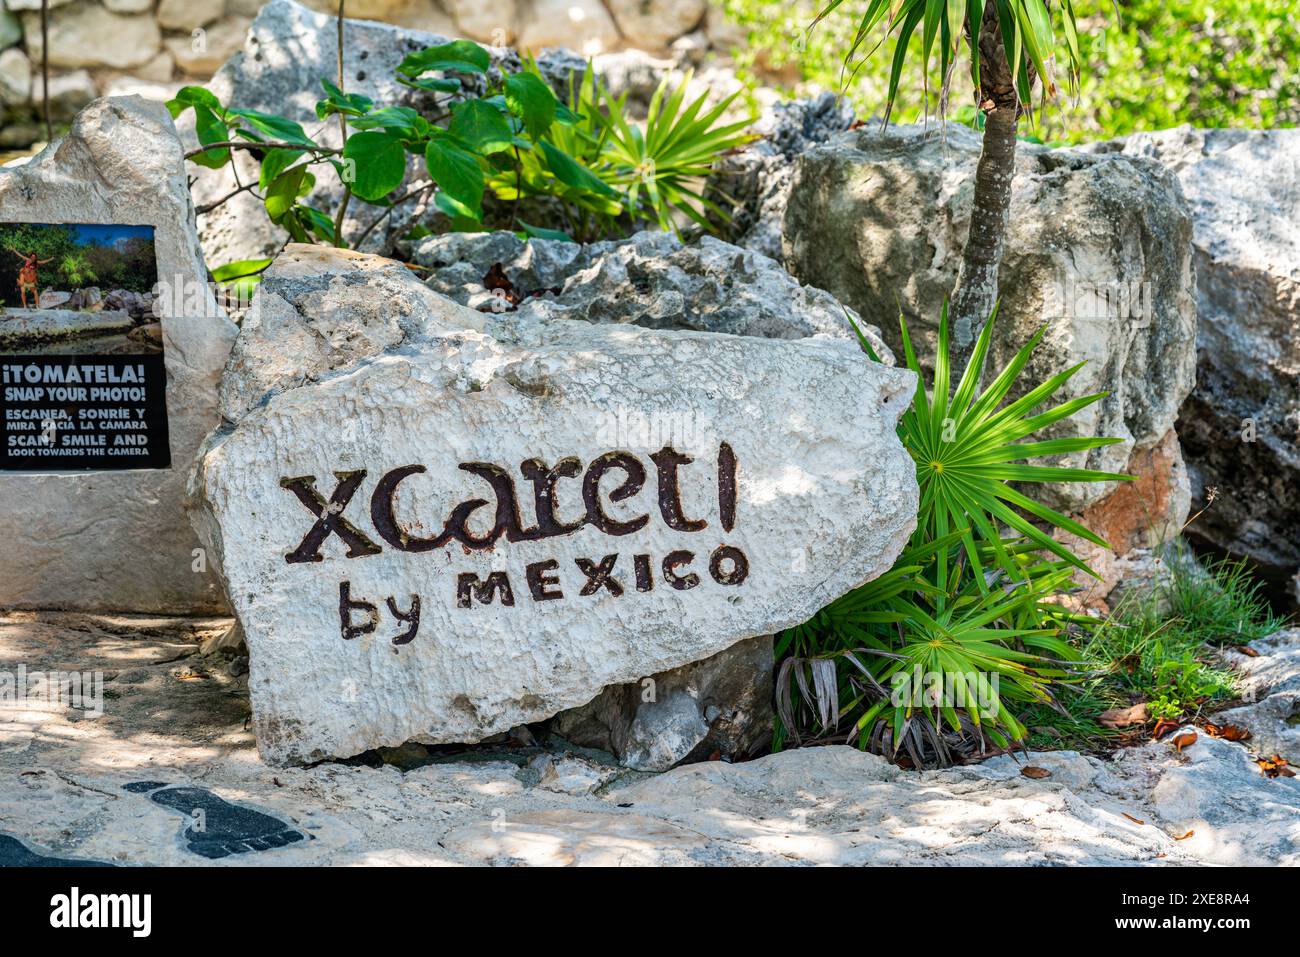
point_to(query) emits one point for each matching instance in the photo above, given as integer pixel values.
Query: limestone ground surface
(169, 775)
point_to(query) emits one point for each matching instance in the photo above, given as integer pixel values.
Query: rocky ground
(169, 774)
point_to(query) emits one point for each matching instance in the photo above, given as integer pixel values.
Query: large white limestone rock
(705, 488)
(1098, 251)
(1240, 427)
(120, 540)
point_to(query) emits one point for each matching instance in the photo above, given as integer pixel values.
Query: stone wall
(152, 46)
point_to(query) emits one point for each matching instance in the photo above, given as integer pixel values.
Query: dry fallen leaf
(1275, 767)
(1162, 728)
(1125, 717)
(1135, 820)
(1031, 771)
(1248, 651)
(1185, 836)
(1229, 732)
(1184, 740)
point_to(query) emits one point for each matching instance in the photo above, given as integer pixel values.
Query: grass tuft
(1158, 647)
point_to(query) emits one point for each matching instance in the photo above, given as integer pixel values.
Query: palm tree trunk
(977, 282)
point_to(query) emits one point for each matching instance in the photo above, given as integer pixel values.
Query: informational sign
(82, 381)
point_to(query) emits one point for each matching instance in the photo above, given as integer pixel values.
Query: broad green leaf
(570, 172)
(458, 175)
(316, 221)
(284, 191)
(532, 101)
(239, 270)
(461, 56)
(276, 127)
(481, 127)
(400, 119)
(188, 96)
(275, 162)
(380, 163)
(336, 101)
(433, 84)
(537, 232)
(209, 128)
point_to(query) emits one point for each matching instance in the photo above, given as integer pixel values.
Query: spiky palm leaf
(968, 451)
(964, 600)
(1026, 26)
(677, 149)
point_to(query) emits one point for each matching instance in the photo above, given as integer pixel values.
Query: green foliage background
(1162, 63)
(129, 266)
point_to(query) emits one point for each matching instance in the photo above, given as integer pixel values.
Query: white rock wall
(154, 46)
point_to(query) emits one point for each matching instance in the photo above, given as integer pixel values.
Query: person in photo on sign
(27, 276)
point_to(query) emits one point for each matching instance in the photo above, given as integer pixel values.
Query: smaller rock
(1231, 814)
(130, 86)
(160, 69)
(753, 185)
(149, 334)
(405, 757)
(584, 25)
(88, 298)
(11, 30)
(1275, 666)
(571, 774)
(15, 77)
(491, 21)
(230, 639)
(19, 134)
(91, 35)
(654, 24)
(724, 35)
(188, 14)
(691, 49)
(69, 92)
(53, 299)
(652, 280)
(722, 704)
(1274, 724)
(138, 305)
(202, 55)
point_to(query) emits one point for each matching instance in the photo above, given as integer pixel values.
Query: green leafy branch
(580, 161)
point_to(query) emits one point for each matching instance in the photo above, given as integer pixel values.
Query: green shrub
(581, 164)
(968, 605)
(1162, 63)
(1157, 647)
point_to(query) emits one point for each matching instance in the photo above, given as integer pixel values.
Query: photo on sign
(84, 290)
(81, 349)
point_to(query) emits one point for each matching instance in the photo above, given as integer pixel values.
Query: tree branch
(423, 187)
(343, 135)
(45, 69)
(255, 145)
(209, 207)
